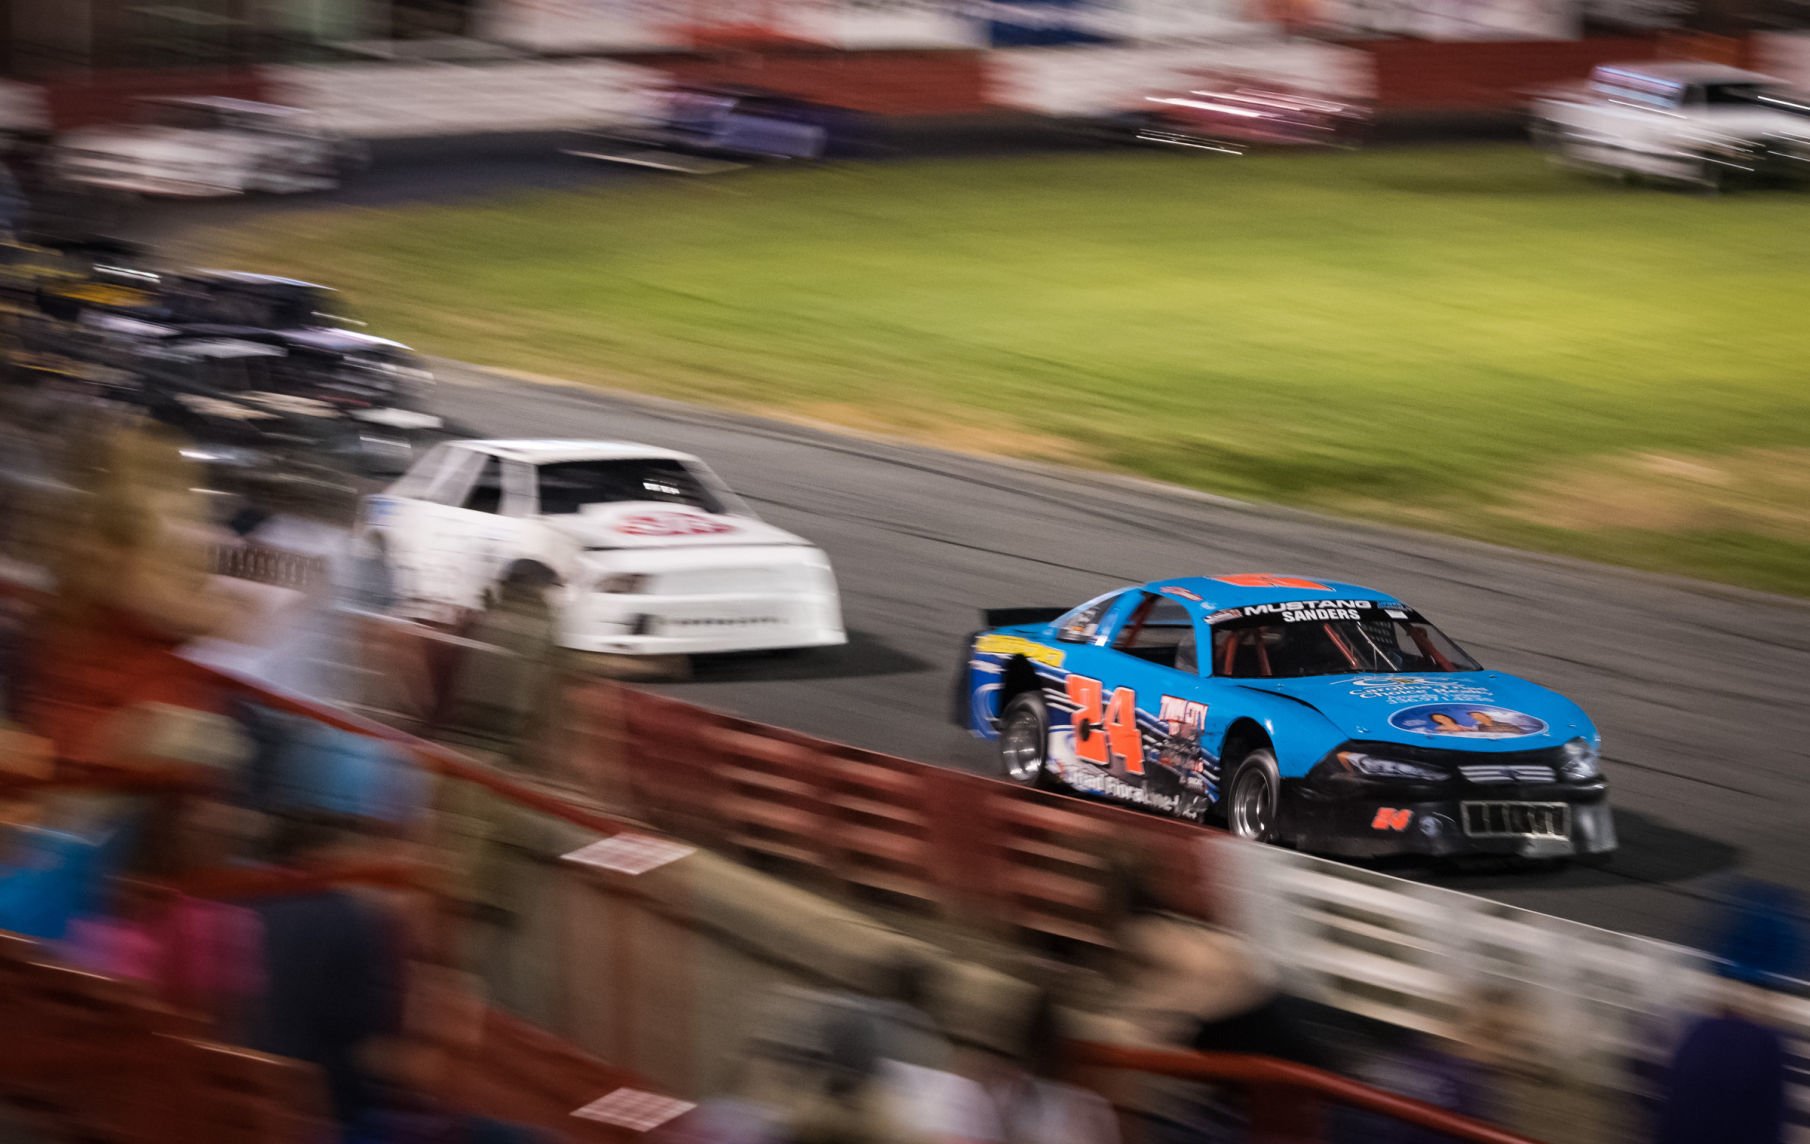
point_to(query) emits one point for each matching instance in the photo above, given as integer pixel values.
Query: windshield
(1330, 637)
(568, 486)
(264, 306)
(1747, 94)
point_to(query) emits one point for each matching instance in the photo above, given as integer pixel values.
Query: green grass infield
(1459, 339)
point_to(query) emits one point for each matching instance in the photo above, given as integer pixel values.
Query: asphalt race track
(1702, 693)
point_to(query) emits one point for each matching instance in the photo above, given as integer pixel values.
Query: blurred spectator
(340, 988)
(1027, 1095)
(13, 204)
(198, 955)
(1726, 1081)
(132, 584)
(844, 1068)
(506, 690)
(1526, 1084)
(1186, 984)
(1421, 1068)
(78, 839)
(903, 1003)
(333, 973)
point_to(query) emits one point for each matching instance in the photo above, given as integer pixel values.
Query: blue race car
(1310, 712)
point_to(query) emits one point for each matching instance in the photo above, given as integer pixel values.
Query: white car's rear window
(568, 486)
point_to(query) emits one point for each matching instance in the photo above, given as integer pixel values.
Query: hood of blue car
(1468, 710)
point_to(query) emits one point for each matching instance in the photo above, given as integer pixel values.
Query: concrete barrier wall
(1089, 81)
(394, 100)
(414, 99)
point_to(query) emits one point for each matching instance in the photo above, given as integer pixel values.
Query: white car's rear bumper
(159, 186)
(630, 624)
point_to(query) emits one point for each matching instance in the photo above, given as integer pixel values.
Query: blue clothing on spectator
(1726, 1085)
(54, 876)
(301, 766)
(1758, 935)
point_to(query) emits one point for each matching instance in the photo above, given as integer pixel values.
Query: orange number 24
(1100, 735)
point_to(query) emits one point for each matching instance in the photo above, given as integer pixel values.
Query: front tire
(1254, 800)
(1024, 740)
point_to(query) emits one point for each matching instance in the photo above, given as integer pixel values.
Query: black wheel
(1024, 740)
(1254, 800)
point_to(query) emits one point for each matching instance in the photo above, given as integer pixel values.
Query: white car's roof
(547, 452)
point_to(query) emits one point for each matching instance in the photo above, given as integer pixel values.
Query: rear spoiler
(1010, 617)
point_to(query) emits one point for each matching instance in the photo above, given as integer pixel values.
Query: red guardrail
(1288, 1100)
(963, 845)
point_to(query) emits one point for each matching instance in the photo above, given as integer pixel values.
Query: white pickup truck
(1698, 123)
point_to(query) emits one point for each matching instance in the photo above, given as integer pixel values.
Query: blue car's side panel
(1176, 762)
(1299, 735)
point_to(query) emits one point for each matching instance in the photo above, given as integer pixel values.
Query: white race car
(647, 551)
(206, 147)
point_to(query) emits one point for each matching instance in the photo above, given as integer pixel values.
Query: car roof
(1687, 71)
(1212, 593)
(222, 103)
(245, 278)
(552, 451)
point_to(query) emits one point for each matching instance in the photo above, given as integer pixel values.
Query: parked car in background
(644, 551)
(1232, 116)
(208, 147)
(1314, 713)
(279, 345)
(1697, 123)
(700, 129)
(63, 278)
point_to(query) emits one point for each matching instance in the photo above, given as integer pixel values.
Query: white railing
(1424, 957)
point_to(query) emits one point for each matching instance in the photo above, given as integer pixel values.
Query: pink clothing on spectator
(197, 954)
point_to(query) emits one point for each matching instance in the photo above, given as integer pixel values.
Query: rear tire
(1254, 799)
(1024, 741)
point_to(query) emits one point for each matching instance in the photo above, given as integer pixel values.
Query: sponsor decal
(1181, 714)
(1262, 580)
(1092, 781)
(1296, 611)
(1184, 593)
(1389, 818)
(1468, 720)
(1018, 645)
(1418, 689)
(673, 524)
(1106, 726)
(1180, 748)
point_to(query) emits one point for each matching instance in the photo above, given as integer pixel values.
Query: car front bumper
(1376, 819)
